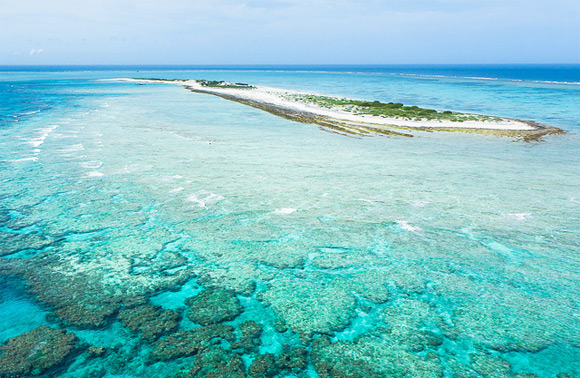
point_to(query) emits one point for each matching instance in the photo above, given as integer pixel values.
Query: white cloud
(36, 51)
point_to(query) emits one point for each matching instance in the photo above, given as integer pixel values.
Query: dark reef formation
(213, 306)
(150, 321)
(37, 352)
(189, 343)
(88, 293)
(249, 341)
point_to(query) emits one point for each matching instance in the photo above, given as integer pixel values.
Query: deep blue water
(562, 73)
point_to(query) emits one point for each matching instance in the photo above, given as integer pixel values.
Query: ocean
(148, 231)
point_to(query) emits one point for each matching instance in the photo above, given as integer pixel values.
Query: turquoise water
(126, 210)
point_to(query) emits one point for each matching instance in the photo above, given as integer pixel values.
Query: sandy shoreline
(287, 104)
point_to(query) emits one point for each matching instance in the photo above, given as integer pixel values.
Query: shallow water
(446, 254)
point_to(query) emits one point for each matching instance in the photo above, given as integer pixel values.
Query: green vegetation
(155, 79)
(204, 83)
(224, 84)
(391, 109)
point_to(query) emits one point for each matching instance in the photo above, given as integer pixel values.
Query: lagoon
(129, 210)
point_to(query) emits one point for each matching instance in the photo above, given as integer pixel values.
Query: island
(360, 117)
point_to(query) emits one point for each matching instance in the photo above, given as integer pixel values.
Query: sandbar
(308, 107)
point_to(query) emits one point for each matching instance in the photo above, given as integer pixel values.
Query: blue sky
(289, 31)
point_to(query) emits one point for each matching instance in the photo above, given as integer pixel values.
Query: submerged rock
(213, 305)
(264, 366)
(36, 352)
(217, 363)
(189, 343)
(250, 338)
(97, 351)
(150, 321)
(280, 326)
(292, 360)
(308, 308)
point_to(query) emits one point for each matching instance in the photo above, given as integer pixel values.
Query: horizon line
(277, 64)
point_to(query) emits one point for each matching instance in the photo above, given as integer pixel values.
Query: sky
(222, 32)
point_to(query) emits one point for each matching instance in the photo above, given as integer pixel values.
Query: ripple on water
(91, 164)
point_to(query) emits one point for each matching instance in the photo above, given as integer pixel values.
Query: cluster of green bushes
(223, 84)
(156, 79)
(390, 109)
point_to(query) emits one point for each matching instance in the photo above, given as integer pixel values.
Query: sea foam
(407, 227)
(204, 198)
(285, 211)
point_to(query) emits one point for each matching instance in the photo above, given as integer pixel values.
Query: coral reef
(406, 346)
(371, 356)
(88, 292)
(410, 323)
(347, 260)
(149, 321)
(309, 308)
(264, 366)
(370, 285)
(213, 305)
(96, 351)
(188, 343)
(37, 352)
(11, 243)
(239, 277)
(504, 319)
(217, 363)
(249, 340)
(292, 360)
(490, 366)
